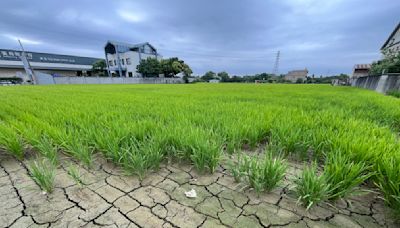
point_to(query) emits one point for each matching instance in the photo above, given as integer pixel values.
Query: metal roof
(129, 45)
(14, 55)
(362, 66)
(391, 35)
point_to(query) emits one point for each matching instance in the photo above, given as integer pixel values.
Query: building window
(115, 62)
(123, 61)
(110, 63)
(128, 61)
(130, 74)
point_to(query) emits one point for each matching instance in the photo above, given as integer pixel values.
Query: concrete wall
(46, 79)
(380, 84)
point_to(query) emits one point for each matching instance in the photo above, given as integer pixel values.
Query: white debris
(44, 193)
(191, 194)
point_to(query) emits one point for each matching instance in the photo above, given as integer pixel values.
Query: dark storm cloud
(240, 37)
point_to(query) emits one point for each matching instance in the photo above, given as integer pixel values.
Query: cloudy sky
(240, 37)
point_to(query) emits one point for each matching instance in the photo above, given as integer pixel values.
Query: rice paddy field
(347, 139)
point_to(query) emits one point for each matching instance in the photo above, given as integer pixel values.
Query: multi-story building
(392, 44)
(123, 58)
(295, 75)
(54, 64)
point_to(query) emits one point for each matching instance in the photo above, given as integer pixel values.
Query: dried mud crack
(110, 198)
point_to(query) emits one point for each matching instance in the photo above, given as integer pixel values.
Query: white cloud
(71, 16)
(24, 40)
(131, 16)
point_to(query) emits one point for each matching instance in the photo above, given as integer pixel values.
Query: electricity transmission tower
(276, 65)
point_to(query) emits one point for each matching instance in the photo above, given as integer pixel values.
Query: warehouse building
(123, 58)
(296, 75)
(54, 64)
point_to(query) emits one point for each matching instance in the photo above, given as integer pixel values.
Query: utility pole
(275, 71)
(27, 66)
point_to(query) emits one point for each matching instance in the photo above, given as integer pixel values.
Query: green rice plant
(240, 169)
(80, 150)
(388, 181)
(75, 174)
(12, 142)
(43, 173)
(206, 156)
(204, 149)
(265, 174)
(139, 157)
(394, 93)
(344, 175)
(310, 187)
(47, 149)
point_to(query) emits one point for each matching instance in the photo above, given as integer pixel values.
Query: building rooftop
(14, 55)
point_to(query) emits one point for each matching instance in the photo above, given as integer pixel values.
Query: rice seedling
(343, 175)
(12, 142)
(196, 123)
(46, 148)
(311, 188)
(80, 150)
(388, 181)
(139, 157)
(261, 174)
(240, 169)
(43, 173)
(265, 174)
(75, 174)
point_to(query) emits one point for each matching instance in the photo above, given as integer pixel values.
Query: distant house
(361, 70)
(214, 81)
(122, 58)
(295, 75)
(392, 44)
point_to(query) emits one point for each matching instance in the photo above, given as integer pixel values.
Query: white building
(123, 58)
(392, 44)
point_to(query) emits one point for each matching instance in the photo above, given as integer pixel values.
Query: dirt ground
(110, 198)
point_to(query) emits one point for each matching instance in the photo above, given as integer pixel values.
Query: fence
(45, 79)
(381, 84)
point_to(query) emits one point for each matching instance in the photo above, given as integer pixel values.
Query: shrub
(43, 173)
(311, 188)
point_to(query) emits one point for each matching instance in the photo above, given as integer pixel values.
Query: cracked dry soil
(110, 198)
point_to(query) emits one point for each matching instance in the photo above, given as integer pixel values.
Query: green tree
(99, 67)
(390, 64)
(173, 66)
(149, 67)
(209, 76)
(223, 76)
